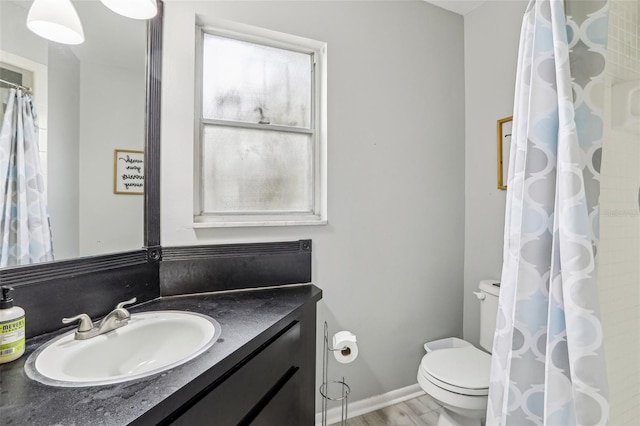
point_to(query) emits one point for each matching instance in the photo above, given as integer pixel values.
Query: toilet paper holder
(340, 391)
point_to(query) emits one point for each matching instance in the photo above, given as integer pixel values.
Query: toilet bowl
(458, 378)
(456, 374)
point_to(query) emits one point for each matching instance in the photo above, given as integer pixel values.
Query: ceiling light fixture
(55, 20)
(135, 9)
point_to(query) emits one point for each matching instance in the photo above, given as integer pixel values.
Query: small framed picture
(128, 172)
(503, 132)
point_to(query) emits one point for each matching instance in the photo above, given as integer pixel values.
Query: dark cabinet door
(242, 396)
(283, 409)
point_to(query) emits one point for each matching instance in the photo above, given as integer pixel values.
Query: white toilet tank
(488, 296)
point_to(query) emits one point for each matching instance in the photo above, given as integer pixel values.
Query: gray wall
(64, 146)
(491, 37)
(390, 259)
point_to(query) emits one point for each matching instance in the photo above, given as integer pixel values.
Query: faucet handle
(120, 307)
(126, 302)
(85, 322)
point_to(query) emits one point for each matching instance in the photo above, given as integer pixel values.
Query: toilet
(456, 374)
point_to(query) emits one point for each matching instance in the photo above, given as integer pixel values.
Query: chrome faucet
(117, 318)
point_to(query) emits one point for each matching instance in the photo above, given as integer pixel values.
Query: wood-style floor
(420, 411)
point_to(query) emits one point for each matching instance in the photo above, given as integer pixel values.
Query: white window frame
(318, 215)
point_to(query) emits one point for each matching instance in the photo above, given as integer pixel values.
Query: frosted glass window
(253, 83)
(256, 171)
(262, 119)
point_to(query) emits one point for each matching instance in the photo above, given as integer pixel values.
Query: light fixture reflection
(135, 9)
(55, 20)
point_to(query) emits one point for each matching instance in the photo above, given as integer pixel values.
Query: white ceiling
(461, 7)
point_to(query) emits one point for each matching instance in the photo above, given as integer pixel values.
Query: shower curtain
(25, 235)
(548, 363)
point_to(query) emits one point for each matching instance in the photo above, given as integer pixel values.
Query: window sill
(241, 222)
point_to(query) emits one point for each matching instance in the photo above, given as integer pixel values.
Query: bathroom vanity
(260, 371)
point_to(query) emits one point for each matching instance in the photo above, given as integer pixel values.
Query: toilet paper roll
(345, 347)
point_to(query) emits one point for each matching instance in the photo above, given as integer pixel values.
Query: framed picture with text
(503, 132)
(128, 172)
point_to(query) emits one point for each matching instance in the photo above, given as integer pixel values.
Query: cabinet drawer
(283, 408)
(230, 401)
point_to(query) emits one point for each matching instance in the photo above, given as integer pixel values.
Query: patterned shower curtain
(25, 235)
(548, 363)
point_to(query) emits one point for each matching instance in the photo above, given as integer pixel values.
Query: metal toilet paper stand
(334, 395)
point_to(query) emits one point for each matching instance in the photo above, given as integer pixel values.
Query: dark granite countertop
(248, 318)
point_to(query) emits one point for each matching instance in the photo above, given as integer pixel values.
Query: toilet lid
(466, 367)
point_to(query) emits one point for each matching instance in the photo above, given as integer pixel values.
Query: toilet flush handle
(480, 295)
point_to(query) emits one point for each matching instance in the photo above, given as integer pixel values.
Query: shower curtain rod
(17, 86)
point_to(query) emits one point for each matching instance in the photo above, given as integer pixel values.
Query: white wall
(491, 37)
(14, 35)
(390, 260)
(111, 105)
(63, 151)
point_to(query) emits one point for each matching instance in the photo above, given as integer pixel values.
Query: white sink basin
(150, 343)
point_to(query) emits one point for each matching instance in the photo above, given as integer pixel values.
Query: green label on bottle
(12, 336)
(11, 326)
(12, 348)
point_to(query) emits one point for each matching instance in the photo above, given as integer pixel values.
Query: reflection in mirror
(90, 101)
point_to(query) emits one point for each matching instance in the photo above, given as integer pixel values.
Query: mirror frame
(151, 250)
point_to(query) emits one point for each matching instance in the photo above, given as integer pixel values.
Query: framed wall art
(503, 132)
(128, 172)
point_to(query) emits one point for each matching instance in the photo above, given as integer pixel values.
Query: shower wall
(619, 248)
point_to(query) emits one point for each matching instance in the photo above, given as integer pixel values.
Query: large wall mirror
(92, 99)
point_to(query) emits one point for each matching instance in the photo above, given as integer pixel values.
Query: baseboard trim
(358, 408)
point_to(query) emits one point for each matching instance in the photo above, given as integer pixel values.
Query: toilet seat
(463, 370)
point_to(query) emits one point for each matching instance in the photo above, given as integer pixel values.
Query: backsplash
(50, 291)
(199, 269)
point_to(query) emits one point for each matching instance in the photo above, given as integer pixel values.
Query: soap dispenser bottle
(11, 328)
